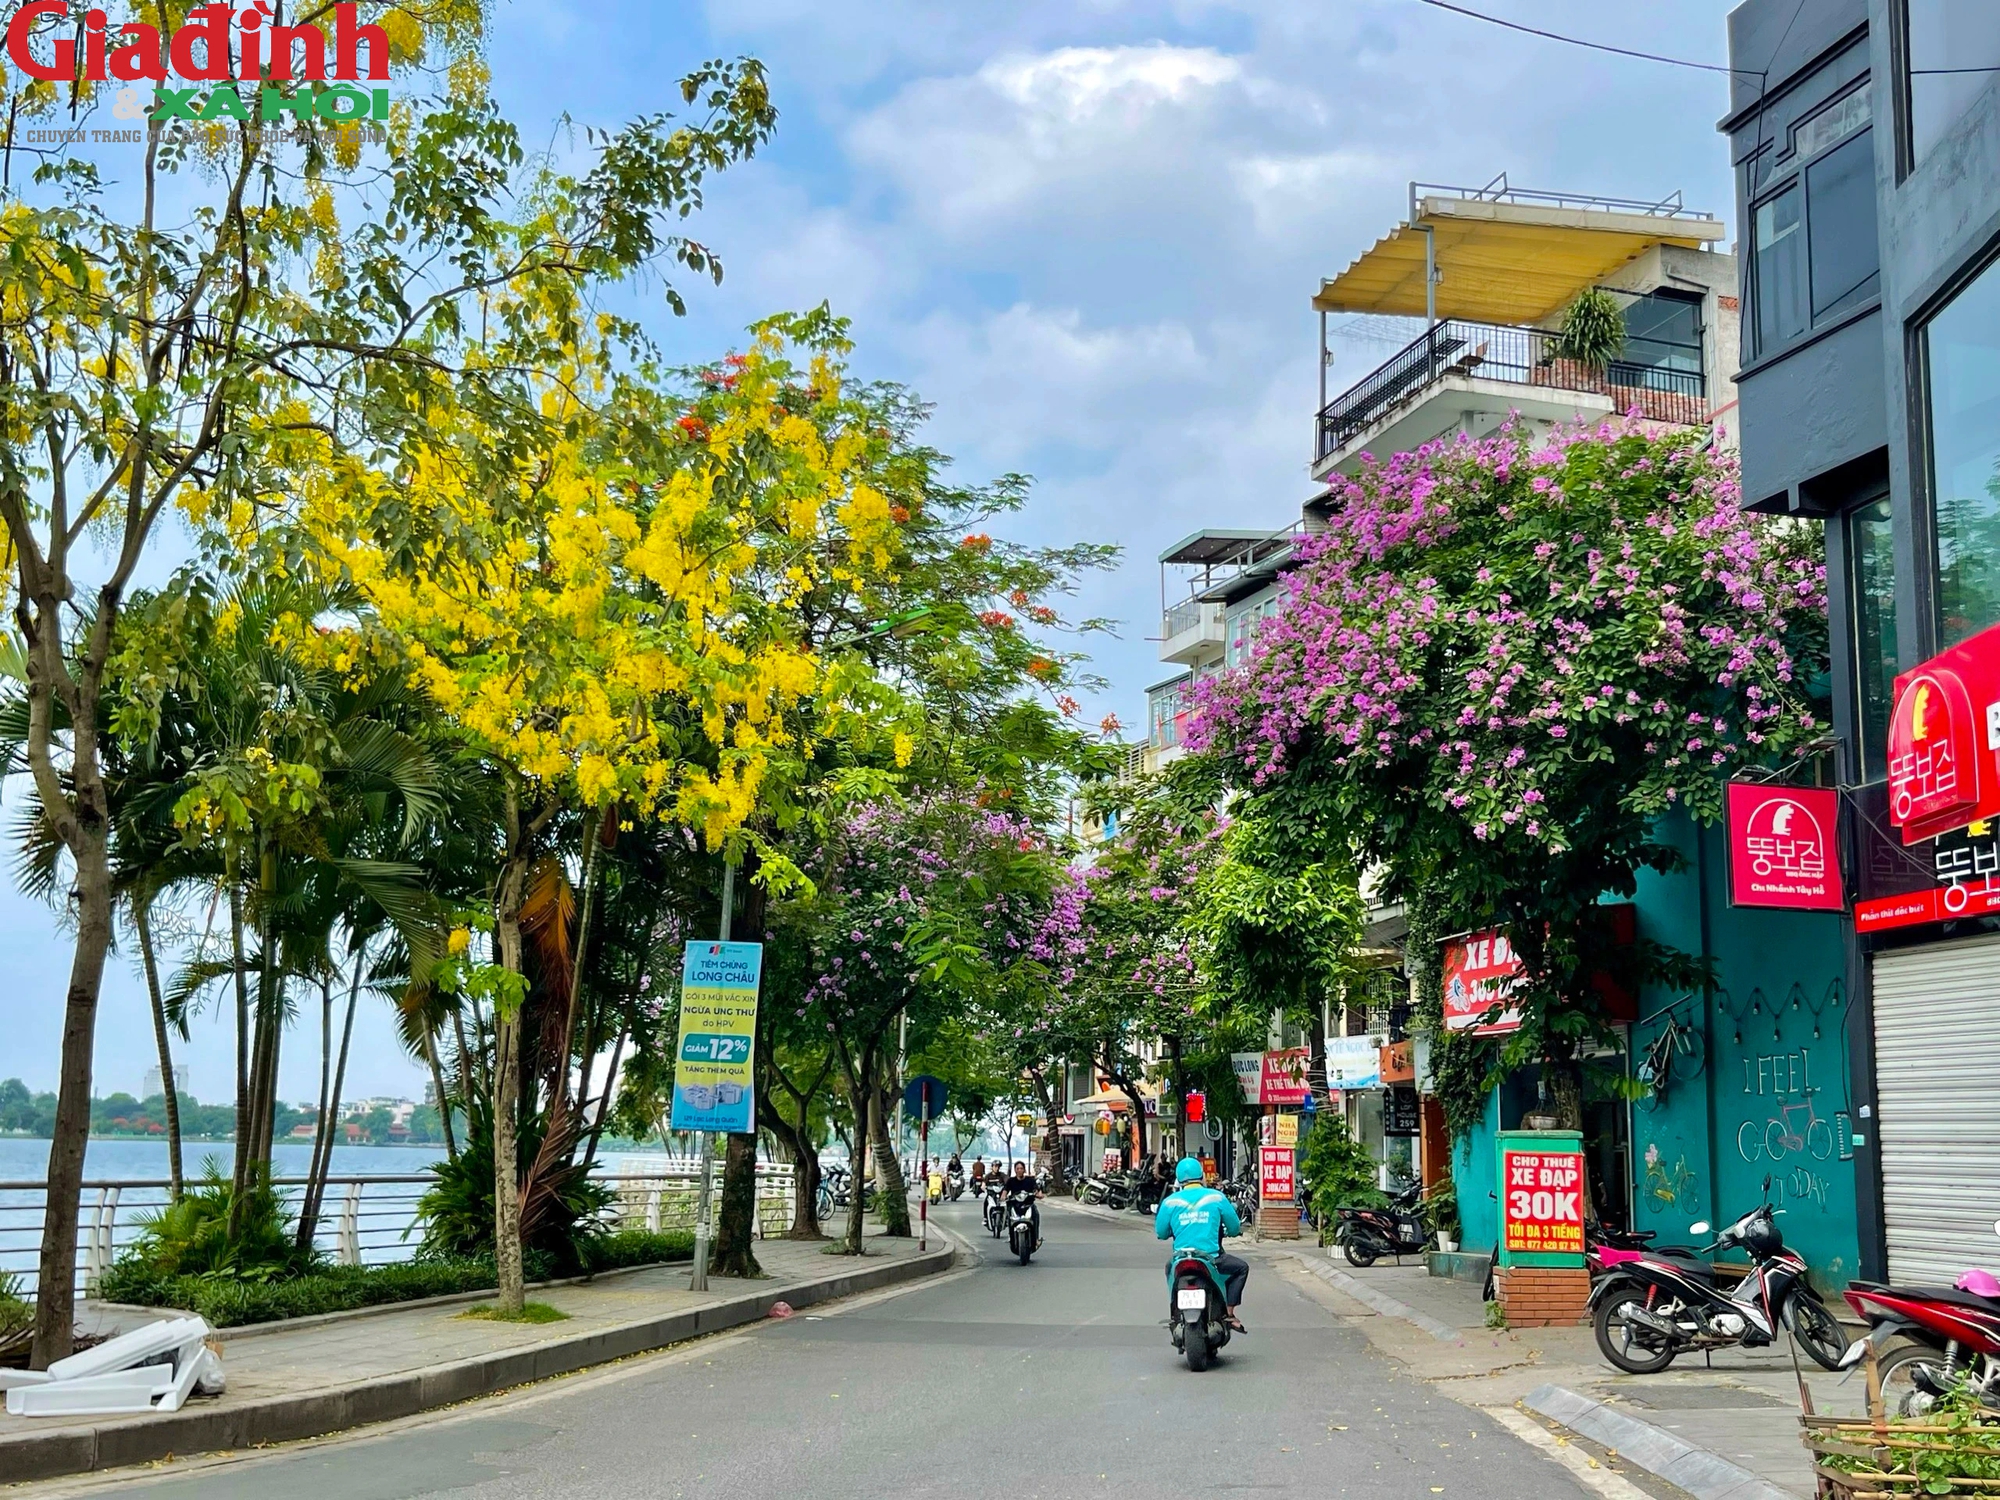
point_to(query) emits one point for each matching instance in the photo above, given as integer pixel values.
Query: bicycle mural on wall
(1786, 1081)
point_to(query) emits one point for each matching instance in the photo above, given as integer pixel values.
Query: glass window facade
(1840, 202)
(1663, 334)
(1952, 48)
(1240, 626)
(1781, 269)
(1962, 367)
(1872, 590)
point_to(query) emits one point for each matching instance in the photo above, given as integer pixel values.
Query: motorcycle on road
(994, 1207)
(1649, 1311)
(1198, 1321)
(1023, 1235)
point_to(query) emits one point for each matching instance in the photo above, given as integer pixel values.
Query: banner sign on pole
(1249, 1070)
(1480, 973)
(1354, 1062)
(1275, 1169)
(1283, 1076)
(718, 1037)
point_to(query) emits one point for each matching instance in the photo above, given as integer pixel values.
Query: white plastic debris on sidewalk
(155, 1368)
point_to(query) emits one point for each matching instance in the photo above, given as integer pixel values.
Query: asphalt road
(1052, 1380)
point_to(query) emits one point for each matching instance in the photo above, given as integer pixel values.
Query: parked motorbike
(1242, 1195)
(1095, 1189)
(1198, 1321)
(1605, 1249)
(1023, 1238)
(1365, 1235)
(1646, 1312)
(1942, 1336)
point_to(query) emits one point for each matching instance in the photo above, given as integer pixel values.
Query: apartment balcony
(1469, 377)
(1191, 632)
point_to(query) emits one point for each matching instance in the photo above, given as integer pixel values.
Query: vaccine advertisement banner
(718, 1037)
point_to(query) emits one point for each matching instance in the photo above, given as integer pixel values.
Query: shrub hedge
(230, 1302)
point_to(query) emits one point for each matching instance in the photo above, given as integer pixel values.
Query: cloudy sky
(1087, 231)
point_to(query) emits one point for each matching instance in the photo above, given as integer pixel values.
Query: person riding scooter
(1021, 1179)
(1196, 1217)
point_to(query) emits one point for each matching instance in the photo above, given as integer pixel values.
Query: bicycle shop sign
(1481, 971)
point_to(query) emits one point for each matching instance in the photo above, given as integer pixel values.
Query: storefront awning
(1503, 262)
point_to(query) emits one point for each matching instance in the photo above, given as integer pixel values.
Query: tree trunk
(142, 922)
(242, 1138)
(893, 1199)
(507, 1071)
(861, 1100)
(442, 1094)
(329, 1128)
(322, 1137)
(55, 1294)
(805, 1182)
(1052, 1140)
(735, 1253)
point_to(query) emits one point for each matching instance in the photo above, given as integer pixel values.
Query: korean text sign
(718, 1037)
(1542, 1208)
(1274, 1173)
(1782, 849)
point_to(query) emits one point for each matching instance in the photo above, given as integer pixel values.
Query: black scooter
(1648, 1311)
(1365, 1235)
(1024, 1238)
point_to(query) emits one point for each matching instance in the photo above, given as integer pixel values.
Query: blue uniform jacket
(1196, 1218)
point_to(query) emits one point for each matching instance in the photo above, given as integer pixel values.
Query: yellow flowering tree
(611, 617)
(174, 339)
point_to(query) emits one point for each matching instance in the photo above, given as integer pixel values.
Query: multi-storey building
(1865, 137)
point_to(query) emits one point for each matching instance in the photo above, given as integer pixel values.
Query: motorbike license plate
(1193, 1300)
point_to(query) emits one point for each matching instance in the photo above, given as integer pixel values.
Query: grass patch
(531, 1312)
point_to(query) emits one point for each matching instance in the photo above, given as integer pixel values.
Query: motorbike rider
(1021, 1179)
(978, 1174)
(1196, 1217)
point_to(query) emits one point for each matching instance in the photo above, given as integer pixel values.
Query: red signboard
(1542, 1210)
(1274, 1173)
(1284, 1077)
(1480, 970)
(1943, 735)
(1782, 849)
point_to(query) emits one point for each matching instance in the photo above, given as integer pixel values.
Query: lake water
(384, 1213)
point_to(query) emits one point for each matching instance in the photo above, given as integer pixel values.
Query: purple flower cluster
(1490, 620)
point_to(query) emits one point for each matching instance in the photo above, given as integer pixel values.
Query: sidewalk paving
(351, 1369)
(1726, 1430)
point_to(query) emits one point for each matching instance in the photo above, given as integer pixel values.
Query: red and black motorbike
(1648, 1311)
(1930, 1339)
(1365, 1235)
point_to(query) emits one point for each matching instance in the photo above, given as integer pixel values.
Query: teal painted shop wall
(1474, 1173)
(1772, 1096)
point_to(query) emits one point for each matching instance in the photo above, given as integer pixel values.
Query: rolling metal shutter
(1937, 1083)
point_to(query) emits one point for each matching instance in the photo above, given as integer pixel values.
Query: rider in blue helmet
(1196, 1217)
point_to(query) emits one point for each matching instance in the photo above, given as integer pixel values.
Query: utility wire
(1577, 41)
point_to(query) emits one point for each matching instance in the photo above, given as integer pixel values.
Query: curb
(1705, 1475)
(208, 1428)
(1382, 1302)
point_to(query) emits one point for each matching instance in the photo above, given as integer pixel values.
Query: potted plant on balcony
(1591, 336)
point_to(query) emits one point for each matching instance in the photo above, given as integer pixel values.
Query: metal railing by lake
(363, 1220)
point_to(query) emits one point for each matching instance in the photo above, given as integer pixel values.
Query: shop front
(1928, 869)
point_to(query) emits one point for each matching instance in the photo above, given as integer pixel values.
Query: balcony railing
(1182, 617)
(1496, 351)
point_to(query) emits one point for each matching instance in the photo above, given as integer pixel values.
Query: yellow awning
(1502, 262)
